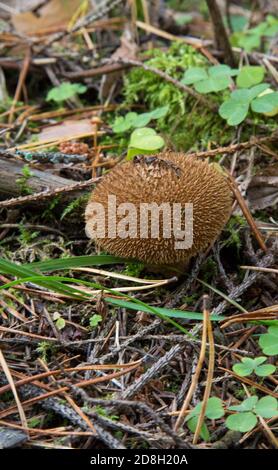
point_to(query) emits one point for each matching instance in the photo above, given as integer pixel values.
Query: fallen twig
(48, 194)
(209, 373)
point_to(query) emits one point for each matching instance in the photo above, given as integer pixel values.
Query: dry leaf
(66, 129)
(52, 17)
(263, 189)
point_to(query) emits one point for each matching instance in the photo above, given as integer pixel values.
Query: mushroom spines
(171, 178)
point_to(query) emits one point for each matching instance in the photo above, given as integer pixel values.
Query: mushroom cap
(162, 178)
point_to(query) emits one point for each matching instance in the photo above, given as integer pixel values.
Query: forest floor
(162, 361)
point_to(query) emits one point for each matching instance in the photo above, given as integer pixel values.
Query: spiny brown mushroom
(171, 178)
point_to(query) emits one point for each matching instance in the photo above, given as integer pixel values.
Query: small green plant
(134, 120)
(22, 182)
(133, 269)
(188, 125)
(74, 205)
(269, 341)
(250, 75)
(248, 366)
(248, 412)
(95, 320)
(251, 39)
(214, 410)
(104, 412)
(59, 321)
(215, 78)
(235, 224)
(250, 94)
(48, 213)
(236, 108)
(65, 91)
(26, 236)
(45, 350)
(145, 141)
(34, 422)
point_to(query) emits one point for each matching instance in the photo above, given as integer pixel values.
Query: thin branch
(47, 194)
(6, 370)
(246, 212)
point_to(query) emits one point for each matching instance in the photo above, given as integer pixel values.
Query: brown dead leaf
(263, 189)
(51, 17)
(66, 129)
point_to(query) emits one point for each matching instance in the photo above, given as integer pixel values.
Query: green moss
(133, 269)
(188, 124)
(233, 227)
(22, 182)
(209, 270)
(45, 350)
(190, 299)
(76, 206)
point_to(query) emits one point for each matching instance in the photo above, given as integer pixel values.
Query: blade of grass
(11, 268)
(56, 283)
(226, 297)
(7, 267)
(164, 311)
(74, 262)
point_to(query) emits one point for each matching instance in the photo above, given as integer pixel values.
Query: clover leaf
(251, 39)
(236, 108)
(242, 422)
(159, 112)
(135, 120)
(59, 321)
(234, 111)
(249, 411)
(192, 426)
(256, 90)
(247, 366)
(265, 103)
(266, 407)
(95, 320)
(123, 124)
(216, 78)
(193, 75)
(265, 370)
(246, 405)
(214, 410)
(269, 341)
(144, 140)
(250, 75)
(65, 91)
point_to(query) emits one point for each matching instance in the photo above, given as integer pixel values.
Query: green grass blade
(22, 272)
(74, 262)
(163, 311)
(57, 284)
(226, 297)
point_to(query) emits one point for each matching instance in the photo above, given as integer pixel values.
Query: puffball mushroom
(171, 178)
